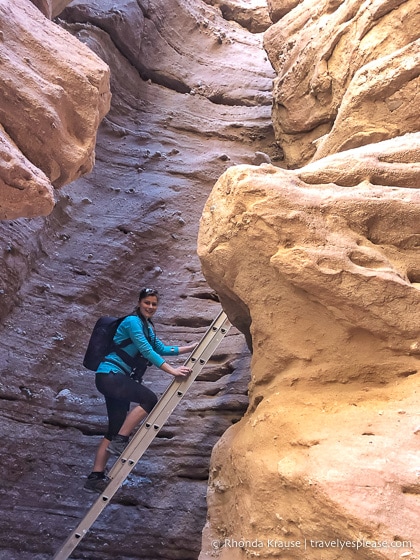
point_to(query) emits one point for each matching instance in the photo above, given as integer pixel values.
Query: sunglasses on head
(148, 292)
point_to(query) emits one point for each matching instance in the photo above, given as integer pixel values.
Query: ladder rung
(144, 436)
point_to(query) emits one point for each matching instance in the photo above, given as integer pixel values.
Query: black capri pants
(119, 391)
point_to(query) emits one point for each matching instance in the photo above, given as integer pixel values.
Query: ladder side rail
(177, 387)
(174, 393)
(125, 467)
(156, 422)
(148, 431)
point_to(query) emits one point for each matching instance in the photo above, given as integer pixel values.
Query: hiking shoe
(96, 483)
(117, 445)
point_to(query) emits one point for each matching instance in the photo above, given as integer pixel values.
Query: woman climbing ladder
(121, 384)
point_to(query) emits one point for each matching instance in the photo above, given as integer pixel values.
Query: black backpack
(101, 343)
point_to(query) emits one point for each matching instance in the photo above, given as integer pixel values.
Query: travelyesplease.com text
(308, 543)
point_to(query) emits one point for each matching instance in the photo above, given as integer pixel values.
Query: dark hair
(144, 292)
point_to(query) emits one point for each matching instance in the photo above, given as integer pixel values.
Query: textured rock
(347, 69)
(24, 189)
(393, 163)
(381, 102)
(51, 8)
(160, 54)
(278, 8)
(252, 15)
(319, 268)
(325, 281)
(132, 222)
(55, 91)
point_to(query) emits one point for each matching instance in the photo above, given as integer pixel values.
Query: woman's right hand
(181, 371)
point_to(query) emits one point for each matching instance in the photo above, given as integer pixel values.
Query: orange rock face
(320, 267)
(347, 75)
(25, 190)
(55, 92)
(317, 266)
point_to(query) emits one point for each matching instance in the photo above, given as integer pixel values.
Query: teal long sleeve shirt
(151, 347)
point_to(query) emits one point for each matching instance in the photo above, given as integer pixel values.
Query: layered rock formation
(179, 118)
(326, 281)
(347, 75)
(318, 267)
(55, 92)
(251, 14)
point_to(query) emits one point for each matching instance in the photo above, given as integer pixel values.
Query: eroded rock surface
(278, 8)
(144, 32)
(252, 15)
(55, 92)
(318, 267)
(51, 8)
(325, 279)
(132, 222)
(24, 189)
(347, 75)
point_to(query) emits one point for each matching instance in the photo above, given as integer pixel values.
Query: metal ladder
(148, 430)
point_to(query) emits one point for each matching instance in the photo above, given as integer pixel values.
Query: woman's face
(148, 306)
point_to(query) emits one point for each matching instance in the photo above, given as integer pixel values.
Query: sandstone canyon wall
(55, 91)
(320, 268)
(317, 266)
(347, 74)
(191, 96)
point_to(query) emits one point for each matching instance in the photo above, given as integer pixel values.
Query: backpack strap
(138, 359)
